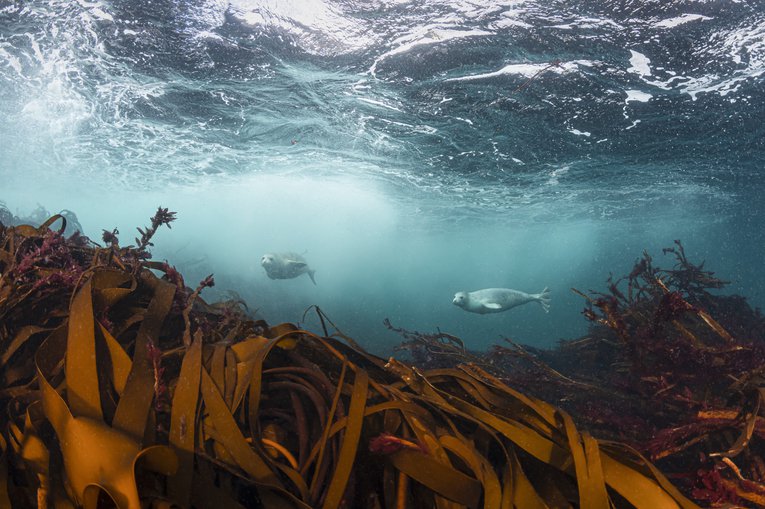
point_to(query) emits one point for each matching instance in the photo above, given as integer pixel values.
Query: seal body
(496, 300)
(286, 266)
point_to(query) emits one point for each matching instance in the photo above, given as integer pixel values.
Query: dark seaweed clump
(37, 217)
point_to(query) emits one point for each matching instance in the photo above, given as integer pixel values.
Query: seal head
(461, 299)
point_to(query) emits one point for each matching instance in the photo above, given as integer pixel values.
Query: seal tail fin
(310, 274)
(543, 298)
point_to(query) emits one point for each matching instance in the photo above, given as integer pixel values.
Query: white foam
(206, 34)
(584, 23)
(637, 96)
(378, 103)
(553, 180)
(508, 21)
(747, 43)
(420, 128)
(713, 83)
(679, 20)
(580, 133)
(527, 70)
(640, 64)
(101, 14)
(58, 109)
(12, 60)
(320, 27)
(634, 96)
(423, 36)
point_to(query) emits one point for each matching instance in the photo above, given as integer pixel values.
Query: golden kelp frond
(123, 388)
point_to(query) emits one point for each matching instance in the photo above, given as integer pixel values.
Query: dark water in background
(413, 149)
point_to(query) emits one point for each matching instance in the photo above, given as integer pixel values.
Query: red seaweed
(667, 365)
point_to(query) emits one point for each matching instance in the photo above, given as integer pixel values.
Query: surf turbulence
(407, 150)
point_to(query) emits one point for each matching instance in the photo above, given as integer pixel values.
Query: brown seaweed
(124, 388)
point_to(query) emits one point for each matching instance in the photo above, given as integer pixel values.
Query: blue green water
(410, 149)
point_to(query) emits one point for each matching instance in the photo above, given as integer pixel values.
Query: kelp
(123, 388)
(669, 366)
(37, 217)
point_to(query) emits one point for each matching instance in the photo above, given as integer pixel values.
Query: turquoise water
(411, 150)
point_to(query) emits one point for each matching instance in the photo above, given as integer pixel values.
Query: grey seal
(286, 266)
(496, 300)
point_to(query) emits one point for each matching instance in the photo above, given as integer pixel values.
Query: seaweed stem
(283, 450)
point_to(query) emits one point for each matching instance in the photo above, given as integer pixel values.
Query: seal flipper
(299, 265)
(543, 298)
(310, 274)
(492, 305)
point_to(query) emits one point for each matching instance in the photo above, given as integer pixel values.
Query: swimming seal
(286, 266)
(496, 300)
